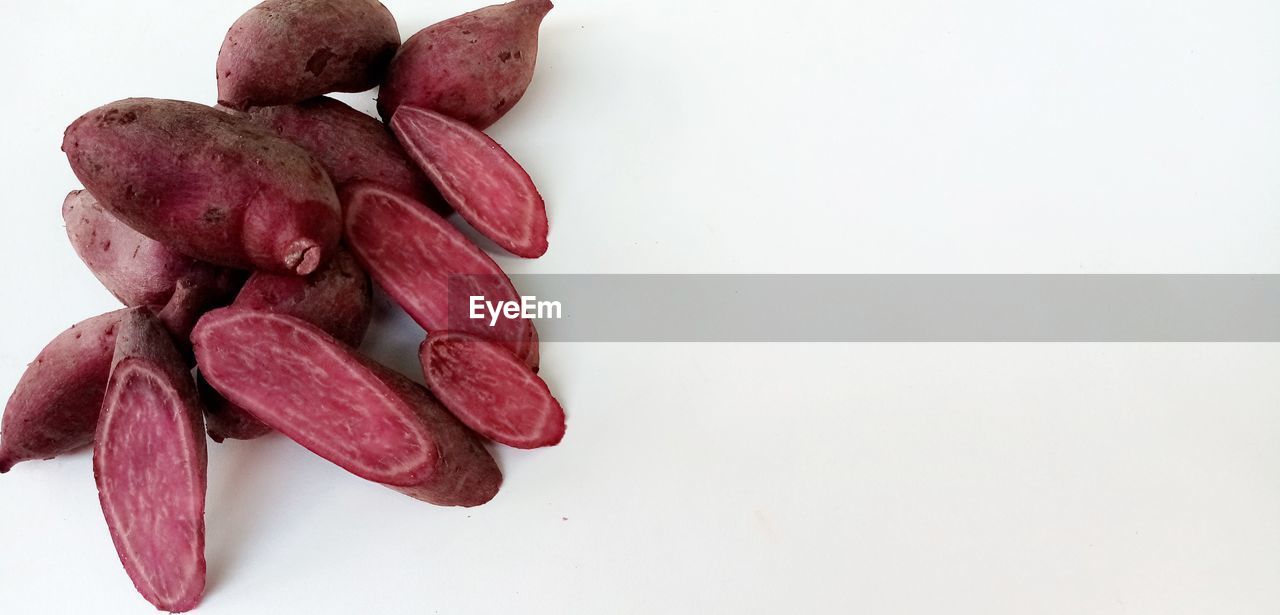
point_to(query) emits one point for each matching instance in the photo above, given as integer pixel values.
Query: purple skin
(338, 299)
(285, 51)
(207, 184)
(350, 145)
(474, 67)
(149, 463)
(312, 388)
(54, 409)
(136, 269)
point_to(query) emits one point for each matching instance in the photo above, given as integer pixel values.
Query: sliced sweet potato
(428, 266)
(338, 299)
(478, 178)
(150, 466)
(374, 423)
(491, 390)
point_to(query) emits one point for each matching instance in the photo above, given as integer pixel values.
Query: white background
(990, 136)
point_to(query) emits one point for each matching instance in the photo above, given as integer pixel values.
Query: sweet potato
(486, 186)
(474, 67)
(491, 391)
(207, 184)
(338, 299)
(285, 51)
(136, 269)
(365, 418)
(54, 408)
(427, 266)
(149, 463)
(349, 145)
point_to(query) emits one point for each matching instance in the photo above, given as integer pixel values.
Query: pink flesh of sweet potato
(474, 67)
(477, 178)
(305, 384)
(136, 269)
(350, 145)
(54, 408)
(338, 299)
(491, 391)
(285, 51)
(149, 463)
(419, 259)
(207, 184)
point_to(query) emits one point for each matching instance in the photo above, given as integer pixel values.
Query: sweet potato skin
(286, 51)
(338, 298)
(474, 67)
(149, 463)
(207, 184)
(136, 269)
(54, 409)
(309, 386)
(350, 145)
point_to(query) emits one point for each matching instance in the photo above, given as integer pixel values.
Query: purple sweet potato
(286, 51)
(491, 391)
(474, 67)
(338, 299)
(349, 145)
(136, 269)
(427, 266)
(150, 466)
(345, 408)
(54, 408)
(478, 178)
(207, 184)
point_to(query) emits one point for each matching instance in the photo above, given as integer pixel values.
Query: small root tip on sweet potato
(304, 257)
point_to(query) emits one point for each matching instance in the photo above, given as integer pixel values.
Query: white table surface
(881, 136)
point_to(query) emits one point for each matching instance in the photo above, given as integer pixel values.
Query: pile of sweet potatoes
(245, 239)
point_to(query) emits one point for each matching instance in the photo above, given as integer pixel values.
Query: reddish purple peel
(136, 269)
(207, 184)
(149, 463)
(491, 391)
(338, 298)
(303, 383)
(474, 67)
(54, 408)
(350, 145)
(284, 51)
(478, 178)
(427, 266)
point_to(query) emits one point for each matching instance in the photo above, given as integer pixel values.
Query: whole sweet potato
(338, 298)
(149, 464)
(349, 145)
(474, 67)
(136, 269)
(367, 419)
(285, 51)
(54, 408)
(207, 184)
